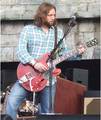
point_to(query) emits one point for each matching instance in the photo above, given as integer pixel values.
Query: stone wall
(15, 14)
(25, 9)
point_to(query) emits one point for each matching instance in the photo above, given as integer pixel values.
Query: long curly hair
(42, 13)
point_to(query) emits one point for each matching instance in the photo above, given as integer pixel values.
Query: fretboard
(65, 56)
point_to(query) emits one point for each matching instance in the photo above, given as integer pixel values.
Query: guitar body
(30, 78)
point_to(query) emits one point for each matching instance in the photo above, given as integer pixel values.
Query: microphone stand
(71, 24)
(50, 87)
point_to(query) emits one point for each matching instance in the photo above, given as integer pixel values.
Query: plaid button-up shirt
(34, 42)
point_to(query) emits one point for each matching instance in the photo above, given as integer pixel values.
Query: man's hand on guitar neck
(39, 66)
(81, 49)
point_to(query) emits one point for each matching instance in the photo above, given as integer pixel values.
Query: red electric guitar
(33, 80)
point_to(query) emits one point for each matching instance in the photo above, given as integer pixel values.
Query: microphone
(72, 21)
(74, 17)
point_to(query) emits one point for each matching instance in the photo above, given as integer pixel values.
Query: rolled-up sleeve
(22, 50)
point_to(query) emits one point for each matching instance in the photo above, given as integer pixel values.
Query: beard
(50, 24)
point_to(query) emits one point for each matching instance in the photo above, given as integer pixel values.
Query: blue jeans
(18, 94)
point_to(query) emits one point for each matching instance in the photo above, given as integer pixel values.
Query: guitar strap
(55, 36)
(55, 41)
(53, 52)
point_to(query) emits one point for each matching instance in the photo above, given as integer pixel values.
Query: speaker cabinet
(92, 105)
(69, 97)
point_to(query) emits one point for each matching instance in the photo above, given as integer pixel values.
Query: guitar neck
(65, 56)
(74, 52)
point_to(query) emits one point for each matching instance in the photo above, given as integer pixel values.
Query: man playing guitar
(36, 40)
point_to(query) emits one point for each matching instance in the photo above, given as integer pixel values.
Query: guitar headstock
(92, 42)
(81, 47)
